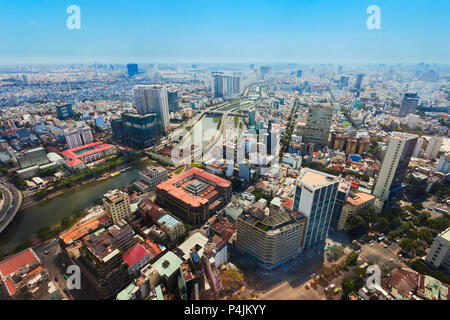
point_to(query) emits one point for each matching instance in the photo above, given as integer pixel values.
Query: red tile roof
(96, 147)
(170, 187)
(134, 254)
(14, 263)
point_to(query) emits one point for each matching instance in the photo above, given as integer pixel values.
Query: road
(382, 256)
(12, 200)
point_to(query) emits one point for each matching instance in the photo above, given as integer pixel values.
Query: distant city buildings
(132, 69)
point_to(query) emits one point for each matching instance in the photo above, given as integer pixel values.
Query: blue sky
(119, 31)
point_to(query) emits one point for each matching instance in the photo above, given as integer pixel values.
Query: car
(400, 255)
(45, 252)
(391, 260)
(56, 279)
(53, 241)
(371, 244)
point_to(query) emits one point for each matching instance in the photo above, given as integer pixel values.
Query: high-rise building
(172, 99)
(439, 254)
(358, 81)
(132, 69)
(264, 70)
(409, 104)
(418, 147)
(64, 112)
(252, 118)
(153, 99)
(433, 148)
(318, 123)
(140, 131)
(78, 137)
(315, 196)
(272, 235)
(444, 164)
(117, 205)
(395, 164)
(225, 86)
(341, 198)
(343, 82)
(299, 73)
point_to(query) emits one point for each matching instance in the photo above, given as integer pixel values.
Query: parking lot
(386, 256)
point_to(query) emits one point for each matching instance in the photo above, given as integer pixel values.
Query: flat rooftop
(315, 179)
(359, 198)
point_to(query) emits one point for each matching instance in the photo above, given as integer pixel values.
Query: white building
(418, 147)
(433, 148)
(78, 137)
(293, 160)
(315, 196)
(152, 176)
(439, 254)
(395, 163)
(412, 120)
(444, 164)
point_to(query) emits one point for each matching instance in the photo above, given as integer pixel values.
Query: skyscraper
(315, 196)
(299, 73)
(132, 69)
(433, 148)
(252, 118)
(409, 104)
(140, 131)
(358, 82)
(318, 124)
(172, 99)
(153, 99)
(395, 163)
(225, 86)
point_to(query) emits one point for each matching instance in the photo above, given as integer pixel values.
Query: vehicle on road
(46, 252)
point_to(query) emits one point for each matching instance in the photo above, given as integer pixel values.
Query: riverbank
(78, 185)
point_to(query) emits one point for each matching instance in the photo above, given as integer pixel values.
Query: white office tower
(315, 195)
(418, 147)
(433, 148)
(395, 163)
(153, 99)
(78, 137)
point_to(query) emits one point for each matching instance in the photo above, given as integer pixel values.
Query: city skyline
(226, 32)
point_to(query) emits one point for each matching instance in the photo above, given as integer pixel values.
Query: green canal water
(49, 213)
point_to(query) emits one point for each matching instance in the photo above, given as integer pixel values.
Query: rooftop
(359, 198)
(315, 179)
(134, 254)
(168, 264)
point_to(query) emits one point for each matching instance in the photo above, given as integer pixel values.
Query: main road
(12, 200)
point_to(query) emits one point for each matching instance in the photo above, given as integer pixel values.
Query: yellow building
(117, 205)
